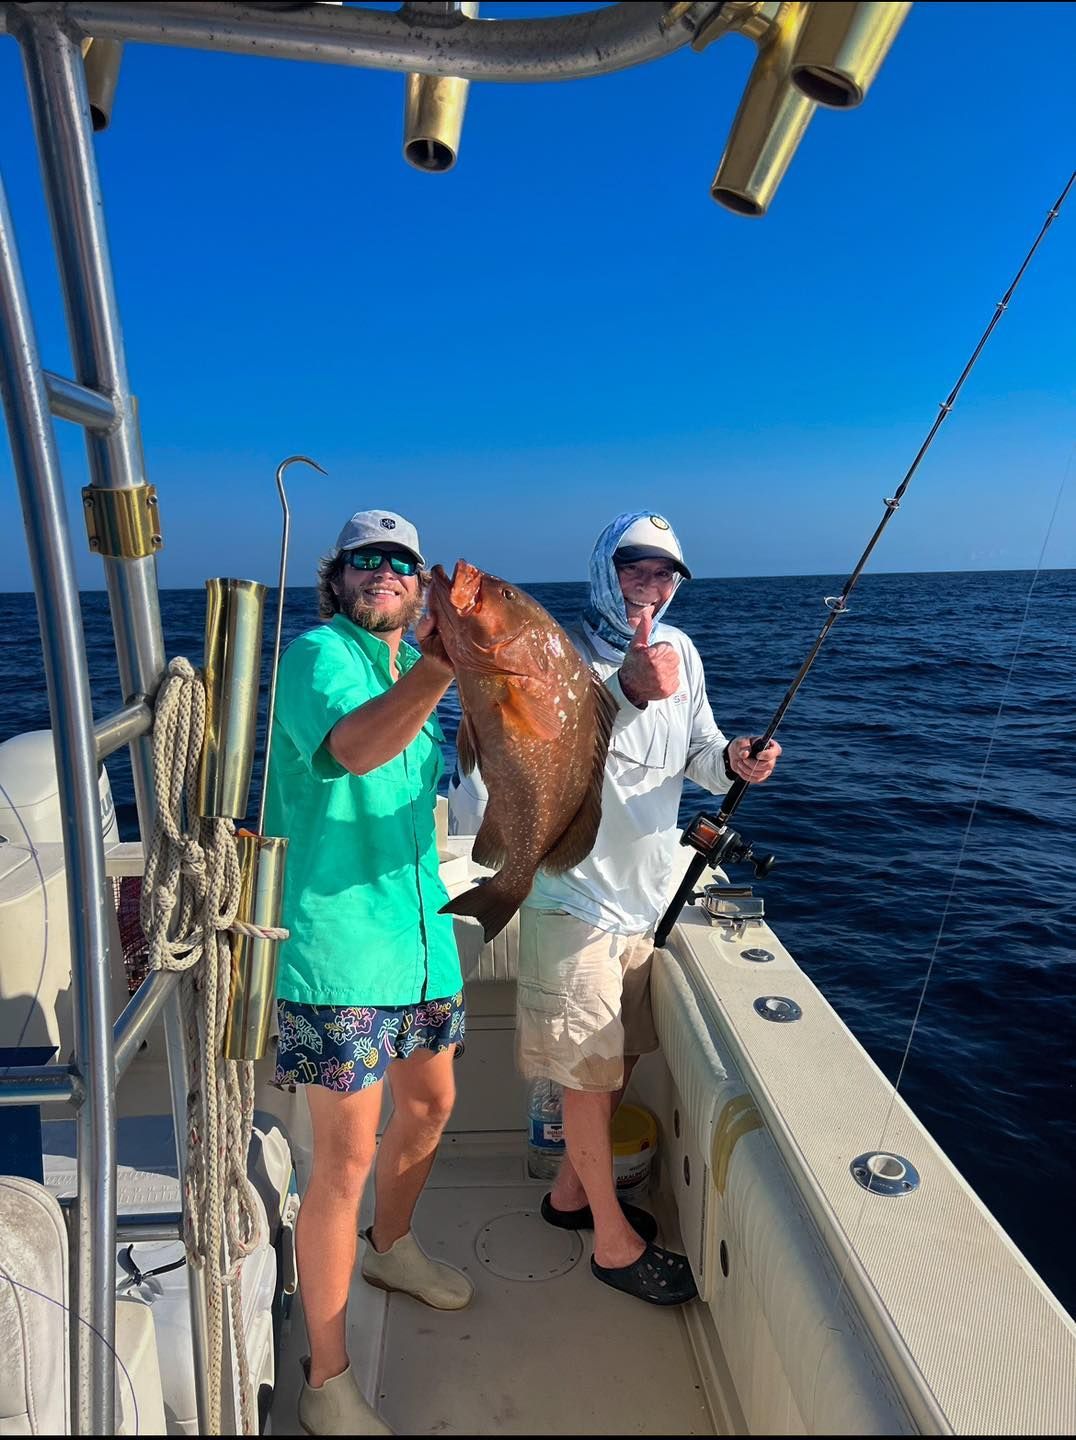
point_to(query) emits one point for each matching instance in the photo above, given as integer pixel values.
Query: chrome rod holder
(884, 1174)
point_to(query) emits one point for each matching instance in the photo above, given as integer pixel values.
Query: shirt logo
(679, 699)
(387, 524)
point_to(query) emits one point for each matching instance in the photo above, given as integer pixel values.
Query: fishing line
(18, 1284)
(709, 835)
(857, 1225)
(978, 794)
(45, 905)
(40, 1294)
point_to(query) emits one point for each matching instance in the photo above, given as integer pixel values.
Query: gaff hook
(282, 576)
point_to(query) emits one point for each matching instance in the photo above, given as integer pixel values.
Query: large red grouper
(536, 722)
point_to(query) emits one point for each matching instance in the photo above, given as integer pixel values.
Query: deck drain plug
(522, 1246)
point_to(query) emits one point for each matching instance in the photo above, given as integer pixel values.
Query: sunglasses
(372, 560)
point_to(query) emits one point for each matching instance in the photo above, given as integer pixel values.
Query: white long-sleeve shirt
(625, 883)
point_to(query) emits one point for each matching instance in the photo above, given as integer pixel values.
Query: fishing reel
(722, 846)
(715, 844)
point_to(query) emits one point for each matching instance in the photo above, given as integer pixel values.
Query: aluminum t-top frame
(832, 49)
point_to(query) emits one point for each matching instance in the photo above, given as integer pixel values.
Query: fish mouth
(461, 591)
(455, 599)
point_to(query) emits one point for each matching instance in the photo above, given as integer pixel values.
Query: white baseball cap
(379, 527)
(651, 537)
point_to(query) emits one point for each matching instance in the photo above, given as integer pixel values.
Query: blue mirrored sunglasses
(372, 559)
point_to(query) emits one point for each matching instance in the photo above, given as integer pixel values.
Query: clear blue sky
(566, 325)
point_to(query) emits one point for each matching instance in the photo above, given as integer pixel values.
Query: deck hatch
(520, 1246)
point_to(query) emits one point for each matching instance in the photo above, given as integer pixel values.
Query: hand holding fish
(754, 769)
(649, 672)
(430, 643)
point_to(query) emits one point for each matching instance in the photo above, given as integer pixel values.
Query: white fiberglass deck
(554, 1355)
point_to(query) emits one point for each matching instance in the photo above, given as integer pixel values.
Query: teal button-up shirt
(361, 885)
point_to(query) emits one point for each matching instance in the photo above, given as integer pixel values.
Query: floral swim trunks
(348, 1047)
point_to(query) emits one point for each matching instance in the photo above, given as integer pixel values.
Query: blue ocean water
(868, 814)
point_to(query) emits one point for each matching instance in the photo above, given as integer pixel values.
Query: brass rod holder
(841, 48)
(101, 59)
(232, 673)
(434, 106)
(254, 960)
(769, 123)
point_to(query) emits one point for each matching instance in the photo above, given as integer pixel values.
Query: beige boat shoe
(337, 1407)
(406, 1267)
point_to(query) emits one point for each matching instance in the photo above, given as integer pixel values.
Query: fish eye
(508, 594)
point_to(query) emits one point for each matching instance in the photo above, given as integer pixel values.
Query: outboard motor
(35, 947)
(28, 776)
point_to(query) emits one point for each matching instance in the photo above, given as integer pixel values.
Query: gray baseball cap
(379, 527)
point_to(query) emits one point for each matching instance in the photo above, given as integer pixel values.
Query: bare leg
(423, 1093)
(345, 1139)
(568, 1192)
(587, 1117)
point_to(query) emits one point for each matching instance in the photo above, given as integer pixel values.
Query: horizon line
(775, 575)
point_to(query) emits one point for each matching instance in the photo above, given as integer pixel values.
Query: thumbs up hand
(649, 672)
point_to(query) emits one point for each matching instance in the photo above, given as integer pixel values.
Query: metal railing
(98, 398)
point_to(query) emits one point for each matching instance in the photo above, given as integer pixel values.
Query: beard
(379, 618)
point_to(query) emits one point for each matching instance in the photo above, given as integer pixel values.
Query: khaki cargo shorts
(583, 1001)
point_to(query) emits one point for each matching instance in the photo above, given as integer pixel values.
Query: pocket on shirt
(647, 744)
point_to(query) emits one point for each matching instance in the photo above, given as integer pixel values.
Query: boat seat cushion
(33, 1311)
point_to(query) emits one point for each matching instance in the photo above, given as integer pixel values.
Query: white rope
(259, 932)
(189, 897)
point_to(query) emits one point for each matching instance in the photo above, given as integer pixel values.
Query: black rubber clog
(641, 1221)
(660, 1277)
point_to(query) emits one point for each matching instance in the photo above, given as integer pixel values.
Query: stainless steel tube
(40, 484)
(176, 1041)
(121, 727)
(162, 1225)
(39, 1085)
(60, 110)
(58, 101)
(139, 1015)
(149, 1225)
(75, 402)
(559, 47)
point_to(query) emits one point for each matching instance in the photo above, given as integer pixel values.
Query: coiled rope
(189, 898)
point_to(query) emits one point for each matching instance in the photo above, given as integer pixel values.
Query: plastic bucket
(635, 1141)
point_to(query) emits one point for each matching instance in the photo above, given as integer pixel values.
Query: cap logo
(655, 520)
(387, 524)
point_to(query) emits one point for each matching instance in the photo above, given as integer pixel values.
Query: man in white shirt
(586, 936)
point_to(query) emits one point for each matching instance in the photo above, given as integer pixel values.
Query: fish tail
(492, 904)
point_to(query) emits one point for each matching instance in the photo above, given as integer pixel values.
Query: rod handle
(680, 899)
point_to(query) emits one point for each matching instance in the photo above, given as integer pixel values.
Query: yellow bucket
(635, 1141)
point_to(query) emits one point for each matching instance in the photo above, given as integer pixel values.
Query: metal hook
(291, 460)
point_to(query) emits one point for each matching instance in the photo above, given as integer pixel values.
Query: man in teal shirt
(369, 981)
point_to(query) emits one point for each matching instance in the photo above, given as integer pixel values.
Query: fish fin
(466, 748)
(577, 841)
(492, 904)
(489, 848)
(528, 706)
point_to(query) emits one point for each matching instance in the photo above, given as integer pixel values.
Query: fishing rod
(709, 835)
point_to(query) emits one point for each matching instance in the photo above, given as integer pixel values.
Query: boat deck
(543, 1349)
